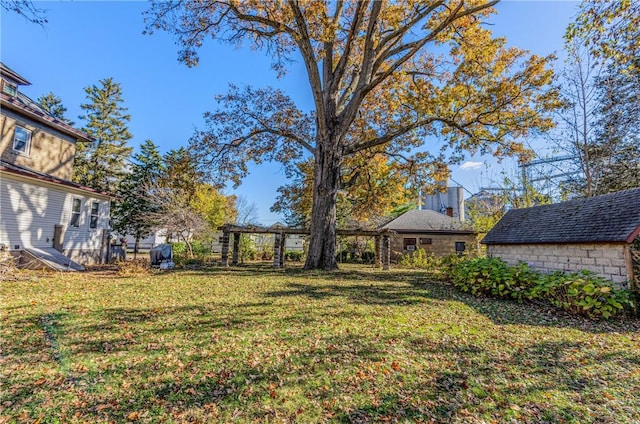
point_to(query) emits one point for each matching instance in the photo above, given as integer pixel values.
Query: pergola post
(225, 247)
(386, 251)
(377, 253)
(236, 248)
(276, 249)
(283, 242)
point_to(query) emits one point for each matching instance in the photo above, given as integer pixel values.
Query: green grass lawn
(253, 344)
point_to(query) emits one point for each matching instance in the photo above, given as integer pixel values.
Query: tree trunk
(322, 245)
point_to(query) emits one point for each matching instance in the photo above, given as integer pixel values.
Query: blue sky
(85, 41)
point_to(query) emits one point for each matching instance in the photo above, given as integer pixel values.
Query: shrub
(448, 264)
(483, 276)
(353, 256)
(419, 259)
(248, 253)
(582, 293)
(492, 276)
(293, 255)
(179, 248)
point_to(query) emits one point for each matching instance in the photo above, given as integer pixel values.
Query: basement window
(76, 206)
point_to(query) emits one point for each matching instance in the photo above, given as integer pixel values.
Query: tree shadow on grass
(475, 379)
(402, 288)
(204, 379)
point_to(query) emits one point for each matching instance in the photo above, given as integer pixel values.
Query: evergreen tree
(52, 104)
(101, 164)
(131, 212)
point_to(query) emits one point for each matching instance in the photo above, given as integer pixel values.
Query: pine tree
(132, 210)
(52, 104)
(101, 164)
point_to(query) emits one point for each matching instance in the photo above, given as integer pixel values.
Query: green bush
(179, 248)
(199, 248)
(293, 255)
(352, 256)
(582, 293)
(449, 263)
(492, 276)
(248, 253)
(419, 259)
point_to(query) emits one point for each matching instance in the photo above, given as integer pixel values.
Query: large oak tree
(384, 76)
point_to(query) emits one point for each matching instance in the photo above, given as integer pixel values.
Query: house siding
(605, 259)
(30, 209)
(51, 151)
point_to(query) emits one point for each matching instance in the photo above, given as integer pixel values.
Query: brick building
(599, 234)
(434, 232)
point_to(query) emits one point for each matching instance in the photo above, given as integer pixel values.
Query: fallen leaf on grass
(133, 416)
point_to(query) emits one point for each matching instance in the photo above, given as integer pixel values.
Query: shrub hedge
(582, 293)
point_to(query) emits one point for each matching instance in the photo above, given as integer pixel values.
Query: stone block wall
(439, 244)
(605, 259)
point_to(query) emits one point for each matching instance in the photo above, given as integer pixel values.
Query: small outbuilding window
(425, 240)
(409, 244)
(76, 207)
(21, 140)
(460, 246)
(93, 223)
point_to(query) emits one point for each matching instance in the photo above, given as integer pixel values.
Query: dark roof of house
(426, 221)
(12, 75)
(24, 172)
(22, 104)
(611, 217)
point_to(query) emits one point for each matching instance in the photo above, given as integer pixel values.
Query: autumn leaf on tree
(418, 83)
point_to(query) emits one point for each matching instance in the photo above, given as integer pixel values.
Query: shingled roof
(24, 105)
(416, 221)
(611, 217)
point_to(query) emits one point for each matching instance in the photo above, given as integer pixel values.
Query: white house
(43, 215)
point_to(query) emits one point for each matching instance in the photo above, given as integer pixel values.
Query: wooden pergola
(382, 241)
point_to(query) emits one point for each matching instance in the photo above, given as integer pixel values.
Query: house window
(426, 241)
(10, 89)
(21, 140)
(75, 213)
(460, 246)
(93, 223)
(409, 244)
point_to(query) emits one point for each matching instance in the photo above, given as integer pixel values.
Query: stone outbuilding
(598, 234)
(434, 232)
